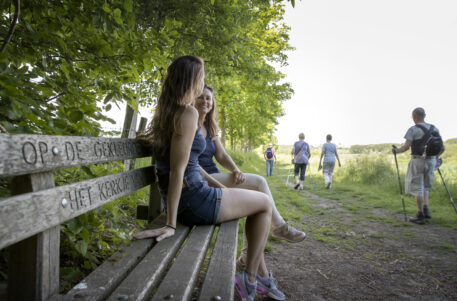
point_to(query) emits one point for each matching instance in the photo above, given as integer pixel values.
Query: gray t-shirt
(329, 150)
(415, 133)
(301, 149)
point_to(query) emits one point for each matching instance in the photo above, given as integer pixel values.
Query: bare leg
(237, 203)
(253, 182)
(425, 200)
(281, 230)
(420, 203)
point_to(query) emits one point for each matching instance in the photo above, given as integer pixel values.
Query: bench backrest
(30, 219)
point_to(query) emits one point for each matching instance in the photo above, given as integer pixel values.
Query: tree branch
(13, 25)
(54, 97)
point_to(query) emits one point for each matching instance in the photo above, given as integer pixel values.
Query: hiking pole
(310, 176)
(288, 174)
(399, 182)
(448, 192)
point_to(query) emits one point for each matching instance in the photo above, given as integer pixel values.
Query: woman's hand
(238, 177)
(159, 234)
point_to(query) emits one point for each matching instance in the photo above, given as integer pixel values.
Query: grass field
(365, 181)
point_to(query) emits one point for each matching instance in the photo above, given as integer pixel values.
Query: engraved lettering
(118, 186)
(121, 148)
(102, 193)
(112, 151)
(30, 155)
(43, 149)
(105, 149)
(113, 187)
(84, 197)
(125, 182)
(79, 150)
(98, 149)
(73, 200)
(69, 148)
(108, 191)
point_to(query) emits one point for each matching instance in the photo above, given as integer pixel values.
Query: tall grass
(367, 169)
(369, 179)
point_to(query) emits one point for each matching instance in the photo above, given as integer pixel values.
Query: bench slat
(24, 154)
(219, 280)
(146, 275)
(182, 276)
(24, 215)
(104, 280)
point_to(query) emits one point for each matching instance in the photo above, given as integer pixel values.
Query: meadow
(366, 180)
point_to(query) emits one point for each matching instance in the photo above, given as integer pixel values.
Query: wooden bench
(197, 263)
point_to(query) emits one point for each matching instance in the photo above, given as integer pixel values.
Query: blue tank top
(192, 169)
(206, 157)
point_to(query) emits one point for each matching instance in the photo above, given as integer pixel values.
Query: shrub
(368, 169)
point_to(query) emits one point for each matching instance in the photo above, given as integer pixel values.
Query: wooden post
(33, 265)
(142, 126)
(155, 199)
(129, 131)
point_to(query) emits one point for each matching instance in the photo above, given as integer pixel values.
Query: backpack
(269, 153)
(432, 142)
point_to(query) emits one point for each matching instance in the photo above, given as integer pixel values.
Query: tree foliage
(68, 62)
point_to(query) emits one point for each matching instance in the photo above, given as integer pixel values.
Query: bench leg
(33, 265)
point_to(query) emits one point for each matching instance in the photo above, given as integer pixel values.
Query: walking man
(301, 154)
(419, 176)
(270, 157)
(329, 154)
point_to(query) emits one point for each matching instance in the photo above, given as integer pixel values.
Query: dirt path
(354, 255)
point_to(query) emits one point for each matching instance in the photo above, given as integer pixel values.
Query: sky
(360, 67)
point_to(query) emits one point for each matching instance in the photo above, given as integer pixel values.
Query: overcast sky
(360, 67)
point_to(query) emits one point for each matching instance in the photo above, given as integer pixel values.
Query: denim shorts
(199, 204)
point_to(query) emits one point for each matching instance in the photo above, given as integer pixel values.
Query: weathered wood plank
(24, 154)
(144, 278)
(219, 279)
(24, 215)
(104, 280)
(182, 276)
(34, 263)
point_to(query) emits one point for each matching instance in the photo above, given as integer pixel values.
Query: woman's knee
(267, 204)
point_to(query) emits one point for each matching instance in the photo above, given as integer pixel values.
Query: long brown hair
(210, 121)
(182, 84)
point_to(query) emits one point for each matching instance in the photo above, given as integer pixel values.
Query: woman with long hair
(193, 197)
(206, 107)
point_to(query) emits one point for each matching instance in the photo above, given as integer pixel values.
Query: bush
(368, 169)
(237, 156)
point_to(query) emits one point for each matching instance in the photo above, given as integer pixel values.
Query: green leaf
(74, 226)
(85, 235)
(71, 274)
(128, 6)
(76, 116)
(117, 16)
(106, 8)
(81, 247)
